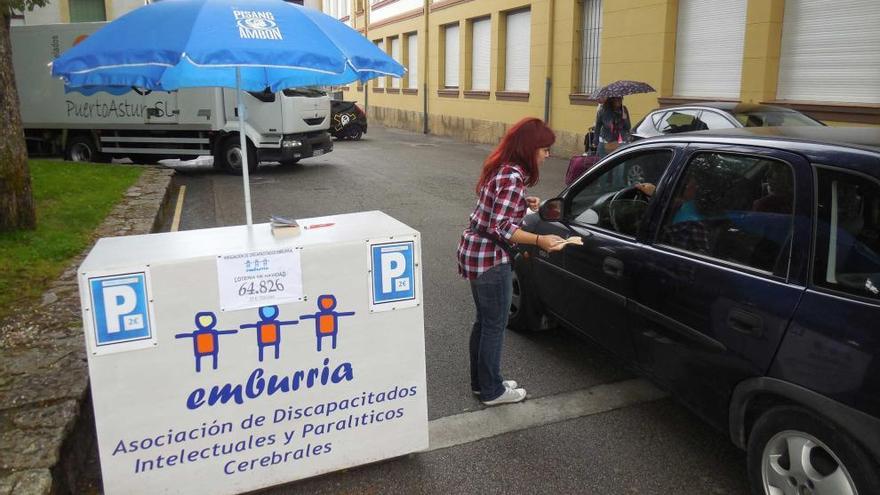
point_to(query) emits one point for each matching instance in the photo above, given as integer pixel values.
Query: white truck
(150, 126)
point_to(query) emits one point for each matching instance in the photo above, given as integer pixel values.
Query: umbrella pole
(244, 155)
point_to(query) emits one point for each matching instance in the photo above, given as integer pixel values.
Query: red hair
(519, 145)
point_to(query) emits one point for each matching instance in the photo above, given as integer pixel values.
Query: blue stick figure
(268, 329)
(326, 320)
(205, 338)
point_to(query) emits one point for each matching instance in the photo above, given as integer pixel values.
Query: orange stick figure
(268, 329)
(326, 320)
(206, 341)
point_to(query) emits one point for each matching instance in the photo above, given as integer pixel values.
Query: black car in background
(717, 115)
(747, 284)
(347, 120)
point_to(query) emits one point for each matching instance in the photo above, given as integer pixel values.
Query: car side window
(609, 199)
(735, 208)
(848, 234)
(678, 121)
(714, 120)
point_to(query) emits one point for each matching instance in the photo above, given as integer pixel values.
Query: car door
(833, 343)
(604, 209)
(720, 281)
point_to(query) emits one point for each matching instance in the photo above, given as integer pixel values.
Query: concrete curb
(46, 423)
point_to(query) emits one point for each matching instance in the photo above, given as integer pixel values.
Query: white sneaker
(506, 383)
(509, 396)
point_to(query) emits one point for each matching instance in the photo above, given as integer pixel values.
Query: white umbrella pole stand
(244, 154)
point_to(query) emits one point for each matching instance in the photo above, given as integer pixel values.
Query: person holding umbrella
(613, 124)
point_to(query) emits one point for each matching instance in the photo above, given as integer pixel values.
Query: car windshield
(774, 118)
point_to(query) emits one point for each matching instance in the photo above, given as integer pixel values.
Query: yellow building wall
(638, 43)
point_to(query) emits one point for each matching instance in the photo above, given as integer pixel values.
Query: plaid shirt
(691, 236)
(499, 211)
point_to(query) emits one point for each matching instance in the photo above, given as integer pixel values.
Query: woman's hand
(646, 188)
(533, 202)
(550, 243)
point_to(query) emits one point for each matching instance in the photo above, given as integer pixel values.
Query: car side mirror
(551, 210)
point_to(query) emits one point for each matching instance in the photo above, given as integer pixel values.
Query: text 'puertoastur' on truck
(148, 126)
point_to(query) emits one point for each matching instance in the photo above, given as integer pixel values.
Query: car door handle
(613, 267)
(745, 322)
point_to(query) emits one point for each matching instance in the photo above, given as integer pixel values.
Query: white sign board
(251, 280)
(233, 401)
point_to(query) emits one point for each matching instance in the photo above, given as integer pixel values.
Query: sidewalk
(43, 368)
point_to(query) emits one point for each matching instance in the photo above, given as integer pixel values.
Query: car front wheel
(525, 312)
(794, 452)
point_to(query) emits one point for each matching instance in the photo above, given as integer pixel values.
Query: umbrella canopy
(190, 43)
(622, 88)
(247, 45)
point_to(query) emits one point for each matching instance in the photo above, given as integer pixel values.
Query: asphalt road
(644, 447)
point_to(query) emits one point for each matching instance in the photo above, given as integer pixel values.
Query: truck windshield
(307, 92)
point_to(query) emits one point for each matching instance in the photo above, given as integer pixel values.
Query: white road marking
(473, 426)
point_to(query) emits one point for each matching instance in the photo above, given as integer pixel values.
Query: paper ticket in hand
(576, 240)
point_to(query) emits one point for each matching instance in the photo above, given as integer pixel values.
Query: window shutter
(482, 33)
(395, 54)
(517, 53)
(87, 11)
(709, 48)
(830, 51)
(590, 45)
(451, 80)
(413, 63)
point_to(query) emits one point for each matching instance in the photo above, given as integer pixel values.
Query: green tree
(16, 197)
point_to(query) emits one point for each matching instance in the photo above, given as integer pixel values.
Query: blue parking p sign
(120, 308)
(393, 272)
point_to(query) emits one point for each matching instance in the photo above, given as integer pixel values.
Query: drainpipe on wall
(548, 71)
(367, 35)
(424, 60)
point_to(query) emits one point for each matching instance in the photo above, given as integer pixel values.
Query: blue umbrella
(247, 45)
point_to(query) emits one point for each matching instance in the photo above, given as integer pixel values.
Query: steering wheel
(631, 193)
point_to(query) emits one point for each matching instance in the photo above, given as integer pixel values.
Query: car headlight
(292, 143)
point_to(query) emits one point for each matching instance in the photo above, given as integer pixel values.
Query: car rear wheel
(794, 452)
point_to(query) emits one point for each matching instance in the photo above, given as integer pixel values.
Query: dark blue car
(747, 283)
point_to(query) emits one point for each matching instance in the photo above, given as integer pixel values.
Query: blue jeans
(492, 292)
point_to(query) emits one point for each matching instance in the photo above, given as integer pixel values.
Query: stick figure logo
(326, 319)
(268, 330)
(206, 340)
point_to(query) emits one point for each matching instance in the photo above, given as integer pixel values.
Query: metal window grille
(591, 36)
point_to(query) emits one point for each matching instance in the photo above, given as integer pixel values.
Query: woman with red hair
(485, 253)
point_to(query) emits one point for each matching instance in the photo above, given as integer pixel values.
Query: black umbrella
(621, 88)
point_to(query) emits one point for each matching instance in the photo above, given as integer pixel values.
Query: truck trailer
(147, 126)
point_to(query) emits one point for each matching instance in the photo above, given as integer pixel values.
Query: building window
(518, 51)
(412, 62)
(591, 38)
(87, 11)
(709, 48)
(817, 63)
(395, 54)
(380, 81)
(481, 46)
(451, 35)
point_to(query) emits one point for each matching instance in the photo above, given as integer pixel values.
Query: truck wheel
(791, 450)
(230, 155)
(82, 148)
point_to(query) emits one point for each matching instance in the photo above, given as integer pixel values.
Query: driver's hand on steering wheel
(646, 188)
